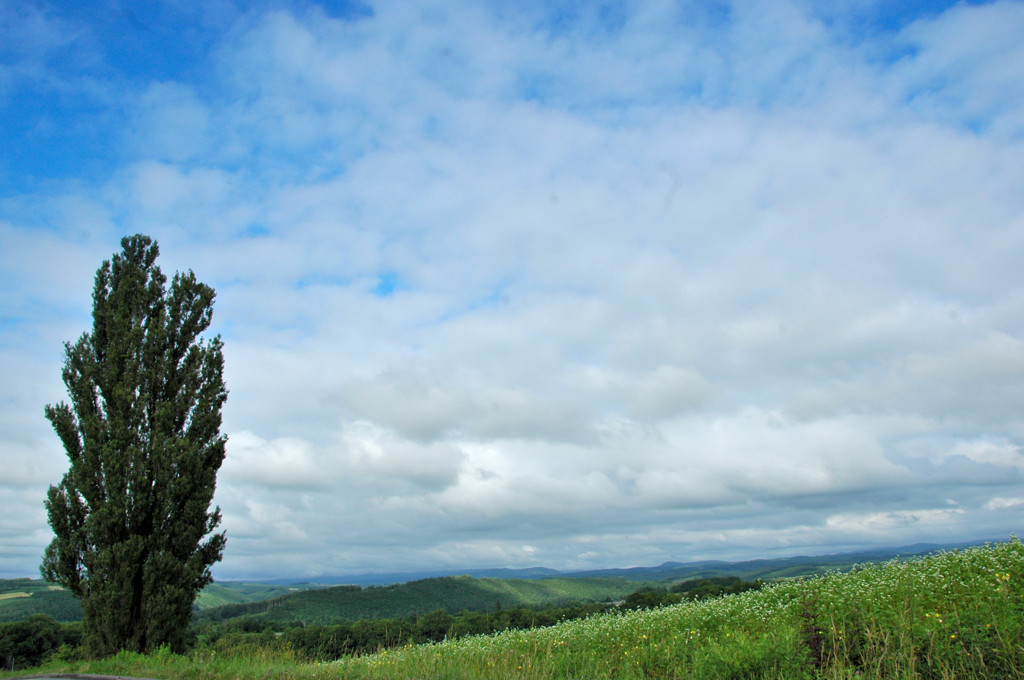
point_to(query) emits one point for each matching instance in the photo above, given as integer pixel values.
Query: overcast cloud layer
(562, 284)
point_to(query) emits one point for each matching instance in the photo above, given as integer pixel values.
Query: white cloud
(287, 462)
(376, 455)
(999, 453)
(1004, 504)
(883, 524)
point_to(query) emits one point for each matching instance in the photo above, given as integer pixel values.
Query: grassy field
(953, 615)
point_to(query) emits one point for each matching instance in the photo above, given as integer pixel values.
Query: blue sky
(570, 284)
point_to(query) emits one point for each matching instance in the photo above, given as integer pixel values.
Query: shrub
(30, 642)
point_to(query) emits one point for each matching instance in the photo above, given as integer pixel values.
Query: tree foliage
(131, 517)
(27, 643)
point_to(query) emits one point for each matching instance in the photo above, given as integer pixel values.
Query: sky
(566, 284)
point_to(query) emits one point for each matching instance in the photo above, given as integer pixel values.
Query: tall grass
(953, 615)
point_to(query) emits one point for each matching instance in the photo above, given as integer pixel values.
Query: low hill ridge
(349, 603)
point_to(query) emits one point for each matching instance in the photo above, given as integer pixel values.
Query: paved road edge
(75, 676)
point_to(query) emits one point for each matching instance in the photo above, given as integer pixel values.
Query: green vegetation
(59, 605)
(453, 594)
(952, 615)
(21, 598)
(693, 589)
(23, 587)
(332, 642)
(31, 641)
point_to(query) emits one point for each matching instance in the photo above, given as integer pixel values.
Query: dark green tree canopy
(131, 517)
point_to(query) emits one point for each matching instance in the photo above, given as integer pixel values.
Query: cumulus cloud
(1004, 504)
(889, 523)
(287, 462)
(999, 453)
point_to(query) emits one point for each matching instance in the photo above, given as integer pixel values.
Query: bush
(30, 642)
(650, 598)
(705, 588)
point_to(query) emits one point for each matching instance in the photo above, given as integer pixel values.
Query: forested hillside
(22, 597)
(451, 593)
(237, 592)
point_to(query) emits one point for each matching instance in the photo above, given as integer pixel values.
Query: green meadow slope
(236, 592)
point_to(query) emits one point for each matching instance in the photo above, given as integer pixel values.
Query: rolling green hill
(23, 597)
(237, 592)
(452, 593)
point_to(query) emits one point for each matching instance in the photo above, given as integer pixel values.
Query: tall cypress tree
(131, 517)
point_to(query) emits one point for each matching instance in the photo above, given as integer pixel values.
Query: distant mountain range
(383, 579)
(751, 569)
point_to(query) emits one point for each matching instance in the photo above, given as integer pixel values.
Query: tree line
(347, 604)
(318, 642)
